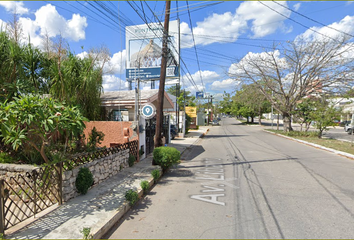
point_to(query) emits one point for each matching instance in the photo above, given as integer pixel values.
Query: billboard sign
(199, 95)
(144, 51)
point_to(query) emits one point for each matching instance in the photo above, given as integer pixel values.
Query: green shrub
(155, 174)
(95, 138)
(6, 158)
(84, 180)
(145, 186)
(131, 160)
(131, 196)
(165, 157)
(86, 233)
(141, 152)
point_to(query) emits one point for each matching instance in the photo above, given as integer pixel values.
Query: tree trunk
(287, 122)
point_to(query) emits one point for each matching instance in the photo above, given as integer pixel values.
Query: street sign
(199, 95)
(148, 111)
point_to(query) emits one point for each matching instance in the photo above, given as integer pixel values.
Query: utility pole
(211, 112)
(159, 108)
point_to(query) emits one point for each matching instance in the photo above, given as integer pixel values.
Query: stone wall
(101, 169)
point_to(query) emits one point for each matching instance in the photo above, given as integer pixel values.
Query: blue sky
(224, 32)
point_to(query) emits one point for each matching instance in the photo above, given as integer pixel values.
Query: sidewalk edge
(340, 153)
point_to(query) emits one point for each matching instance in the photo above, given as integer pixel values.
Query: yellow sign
(191, 111)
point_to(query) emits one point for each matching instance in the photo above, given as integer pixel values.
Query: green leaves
(35, 120)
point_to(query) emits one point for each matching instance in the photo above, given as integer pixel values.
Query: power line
(195, 49)
(296, 21)
(302, 15)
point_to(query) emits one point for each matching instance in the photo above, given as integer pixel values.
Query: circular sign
(148, 111)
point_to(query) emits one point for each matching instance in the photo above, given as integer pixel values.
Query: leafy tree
(253, 102)
(225, 105)
(174, 90)
(303, 112)
(34, 122)
(323, 115)
(186, 98)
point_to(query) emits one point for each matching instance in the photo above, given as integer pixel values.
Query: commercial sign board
(144, 51)
(191, 111)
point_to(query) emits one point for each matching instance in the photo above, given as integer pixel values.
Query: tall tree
(297, 69)
(253, 101)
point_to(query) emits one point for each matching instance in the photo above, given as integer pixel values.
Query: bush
(145, 186)
(141, 152)
(6, 158)
(155, 174)
(84, 180)
(95, 138)
(131, 160)
(131, 196)
(166, 157)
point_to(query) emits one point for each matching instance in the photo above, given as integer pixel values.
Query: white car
(348, 128)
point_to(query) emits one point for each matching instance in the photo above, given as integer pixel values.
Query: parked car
(342, 124)
(215, 123)
(173, 131)
(348, 128)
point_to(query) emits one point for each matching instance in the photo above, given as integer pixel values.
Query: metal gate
(150, 134)
(166, 127)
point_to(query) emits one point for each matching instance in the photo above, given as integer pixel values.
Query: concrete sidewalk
(101, 207)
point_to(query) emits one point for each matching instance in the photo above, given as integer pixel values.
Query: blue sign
(151, 73)
(148, 111)
(199, 95)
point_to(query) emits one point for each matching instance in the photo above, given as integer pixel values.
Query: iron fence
(24, 195)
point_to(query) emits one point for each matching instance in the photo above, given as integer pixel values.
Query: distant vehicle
(348, 128)
(173, 131)
(215, 123)
(342, 124)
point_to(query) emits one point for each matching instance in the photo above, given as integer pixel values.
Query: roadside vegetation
(312, 137)
(46, 94)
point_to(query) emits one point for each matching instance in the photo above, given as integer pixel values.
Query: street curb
(121, 211)
(125, 207)
(201, 136)
(340, 153)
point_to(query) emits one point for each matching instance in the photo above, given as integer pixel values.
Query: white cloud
(297, 6)
(265, 21)
(29, 31)
(224, 85)
(318, 33)
(51, 22)
(113, 83)
(116, 64)
(14, 7)
(207, 76)
(3, 25)
(82, 55)
(229, 26)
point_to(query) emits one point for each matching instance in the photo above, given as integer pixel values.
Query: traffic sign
(199, 95)
(148, 111)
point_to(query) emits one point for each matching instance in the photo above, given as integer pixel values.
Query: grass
(311, 137)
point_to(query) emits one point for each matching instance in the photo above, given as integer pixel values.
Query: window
(120, 115)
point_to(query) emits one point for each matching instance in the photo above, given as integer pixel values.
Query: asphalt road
(241, 182)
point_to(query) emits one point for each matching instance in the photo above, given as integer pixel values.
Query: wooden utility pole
(161, 93)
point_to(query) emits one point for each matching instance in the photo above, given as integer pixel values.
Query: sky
(213, 35)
